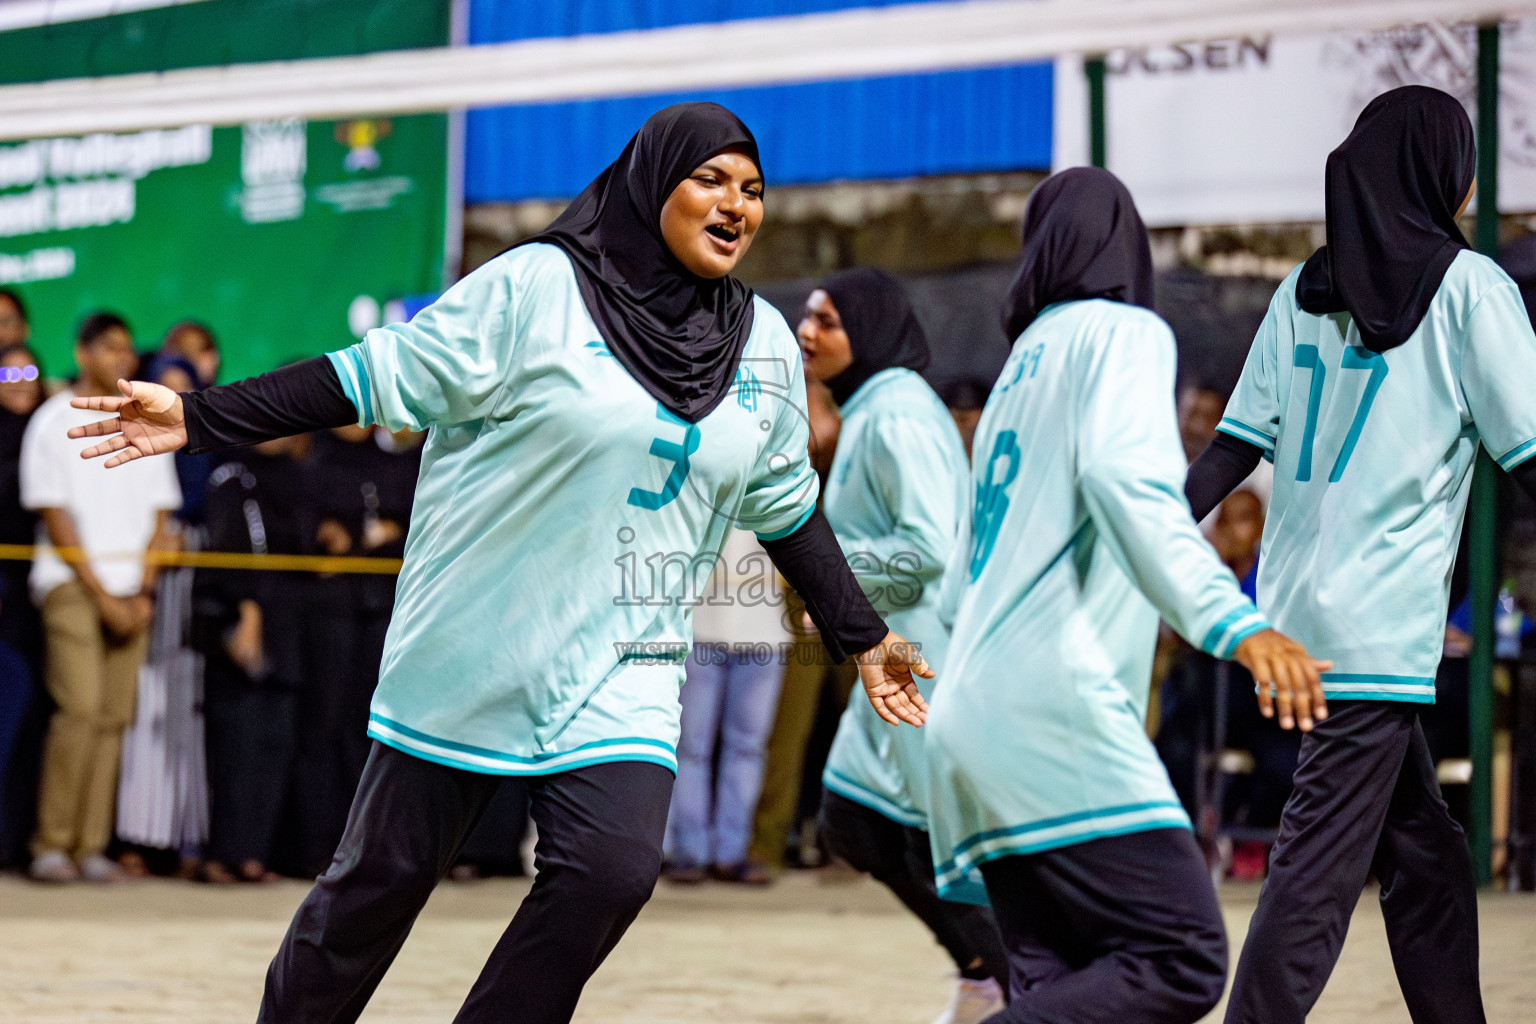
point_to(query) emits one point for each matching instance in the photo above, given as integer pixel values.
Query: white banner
(1237, 130)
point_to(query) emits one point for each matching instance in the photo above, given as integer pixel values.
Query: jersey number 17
(1308, 358)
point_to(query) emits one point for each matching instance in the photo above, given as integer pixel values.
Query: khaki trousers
(804, 676)
(93, 678)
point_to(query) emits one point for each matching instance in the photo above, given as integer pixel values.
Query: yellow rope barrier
(221, 560)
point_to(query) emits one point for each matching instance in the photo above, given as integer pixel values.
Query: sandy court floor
(815, 949)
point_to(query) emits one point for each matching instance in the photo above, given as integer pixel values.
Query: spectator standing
(96, 609)
(15, 328)
(188, 360)
(247, 624)
(359, 483)
(193, 343)
(163, 793)
(729, 700)
(21, 392)
(809, 680)
(965, 398)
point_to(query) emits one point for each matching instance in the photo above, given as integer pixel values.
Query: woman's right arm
(446, 366)
(151, 419)
(290, 400)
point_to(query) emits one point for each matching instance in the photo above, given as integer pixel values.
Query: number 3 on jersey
(673, 452)
(992, 499)
(1308, 358)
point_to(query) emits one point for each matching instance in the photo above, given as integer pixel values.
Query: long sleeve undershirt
(1225, 463)
(308, 396)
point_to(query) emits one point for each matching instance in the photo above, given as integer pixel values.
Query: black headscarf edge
(1392, 191)
(882, 327)
(1083, 239)
(678, 335)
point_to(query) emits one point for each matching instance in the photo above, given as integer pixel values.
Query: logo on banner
(360, 137)
(273, 156)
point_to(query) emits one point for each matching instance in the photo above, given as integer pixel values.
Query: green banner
(287, 238)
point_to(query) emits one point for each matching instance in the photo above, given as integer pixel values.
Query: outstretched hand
(149, 420)
(1288, 678)
(887, 673)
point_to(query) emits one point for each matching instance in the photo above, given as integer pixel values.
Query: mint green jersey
(565, 523)
(1079, 537)
(895, 499)
(1372, 457)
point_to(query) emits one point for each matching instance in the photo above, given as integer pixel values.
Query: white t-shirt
(745, 604)
(114, 509)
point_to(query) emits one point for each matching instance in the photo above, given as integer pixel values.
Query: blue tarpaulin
(954, 122)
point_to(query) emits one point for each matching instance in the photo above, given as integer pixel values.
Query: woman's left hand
(887, 673)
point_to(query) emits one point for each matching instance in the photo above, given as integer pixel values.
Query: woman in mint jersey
(603, 403)
(1045, 795)
(895, 498)
(1384, 362)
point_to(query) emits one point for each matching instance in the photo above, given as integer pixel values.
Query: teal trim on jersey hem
(1373, 686)
(1377, 682)
(1022, 831)
(850, 790)
(396, 743)
(1409, 698)
(438, 741)
(353, 375)
(951, 878)
(781, 534)
(1243, 432)
(969, 890)
(1516, 455)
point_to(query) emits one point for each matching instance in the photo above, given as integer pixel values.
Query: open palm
(148, 420)
(887, 673)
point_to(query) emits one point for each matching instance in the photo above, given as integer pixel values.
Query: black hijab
(679, 335)
(882, 329)
(1393, 188)
(1083, 239)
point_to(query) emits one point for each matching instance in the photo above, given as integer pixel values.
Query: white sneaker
(103, 870)
(53, 866)
(973, 1002)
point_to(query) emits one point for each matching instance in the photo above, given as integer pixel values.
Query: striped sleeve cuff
(354, 381)
(1243, 432)
(1516, 455)
(1221, 640)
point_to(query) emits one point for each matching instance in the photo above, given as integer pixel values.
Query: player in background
(1384, 361)
(895, 498)
(1045, 794)
(586, 410)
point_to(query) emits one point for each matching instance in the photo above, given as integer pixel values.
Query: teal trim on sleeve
(1243, 432)
(1516, 455)
(349, 367)
(1257, 626)
(781, 534)
(1232, 629)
